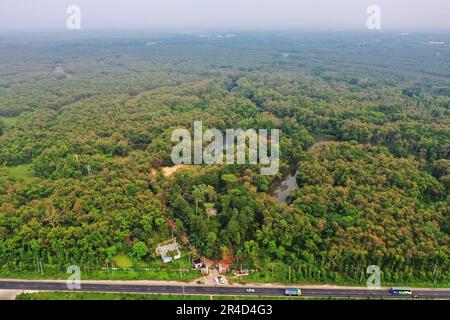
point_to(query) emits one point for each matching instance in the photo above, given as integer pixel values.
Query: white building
(169, 252)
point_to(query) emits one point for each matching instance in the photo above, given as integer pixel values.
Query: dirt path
(168, 171)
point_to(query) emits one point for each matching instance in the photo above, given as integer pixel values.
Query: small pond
(281, 189)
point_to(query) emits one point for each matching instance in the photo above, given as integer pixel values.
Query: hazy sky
(190, 14)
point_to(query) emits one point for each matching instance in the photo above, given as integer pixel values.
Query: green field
(156, 274)
(10, 121)
(122, 261)
(102, 296)
(21, 172)
(126, 270)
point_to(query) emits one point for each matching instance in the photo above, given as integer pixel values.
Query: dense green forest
(85, 127)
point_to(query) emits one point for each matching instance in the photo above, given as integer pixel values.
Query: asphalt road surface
(219, 290)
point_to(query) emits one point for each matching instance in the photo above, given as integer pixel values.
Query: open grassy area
(103, 296)
(122, 261)
(10, 121)
(128, 270)
(154, 274)
(22, 171)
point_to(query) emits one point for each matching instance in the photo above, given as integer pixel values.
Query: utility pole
(434, 272)
(289, 274)
(273, 268)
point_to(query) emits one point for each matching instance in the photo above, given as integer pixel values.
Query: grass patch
(152, 270)
(122, 261)
(157, 274)
(10, 121)
(21, 172)
(103, 296)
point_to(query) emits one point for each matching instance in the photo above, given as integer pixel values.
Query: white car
(216, 280)
(221, 279)
(250, 290)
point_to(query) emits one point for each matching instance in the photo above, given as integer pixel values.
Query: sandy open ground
(11, 294)
(168, 171)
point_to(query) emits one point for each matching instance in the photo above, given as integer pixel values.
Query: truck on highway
(293, 292)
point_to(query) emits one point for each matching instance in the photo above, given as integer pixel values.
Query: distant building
(243, 272)
(223, 267)
(197, 264)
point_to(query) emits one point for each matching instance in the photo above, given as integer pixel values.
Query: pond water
(281, 189)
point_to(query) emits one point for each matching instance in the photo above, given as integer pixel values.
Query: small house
(197, 264)
(169, 252)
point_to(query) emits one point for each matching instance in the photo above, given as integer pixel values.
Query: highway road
(227, 290)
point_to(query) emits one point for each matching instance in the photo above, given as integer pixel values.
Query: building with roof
(169, 252)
